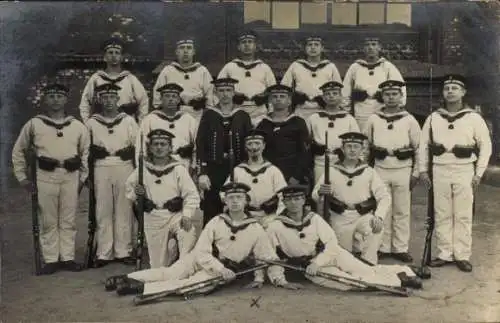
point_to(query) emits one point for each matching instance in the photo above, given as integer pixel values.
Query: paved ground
(450, 296)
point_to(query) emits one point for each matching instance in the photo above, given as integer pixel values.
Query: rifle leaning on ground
(31, 157)
(424, 271)
(140, 210)
(231, 157)
(91, 250)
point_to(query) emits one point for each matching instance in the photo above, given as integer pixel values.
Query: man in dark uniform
(287, 137)
(221, 128)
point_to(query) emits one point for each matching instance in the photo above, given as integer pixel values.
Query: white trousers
(159, 228)
(182, 273)
(113, 212)
(363, 110)
(58, 203)
(348, 266)
(354, 234)
(396, 236)
(453, 197)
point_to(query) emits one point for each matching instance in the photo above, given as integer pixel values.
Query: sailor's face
(109, 101)
(113, 56)
(170, 99)
(236, 201)
(160, 148)
(255, 147)
(314, 48)
(453, 92)
(247, 46)
(294, 204)
(332, 97)
(225, 94)
(352, 150)
(372, 48)
(392, 98)
(280, 100)
(55, 101)
(185, 53)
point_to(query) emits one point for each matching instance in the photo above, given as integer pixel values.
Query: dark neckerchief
(111, 80)
(332, 117)
(189, 69)
(289, 223)
(392, 117)
(235, 228)
(55, 124)
(246, 66)
(452, 117)
(263, 168)
(163, 116)
(110, 124)
(311, 68)
(370, 66)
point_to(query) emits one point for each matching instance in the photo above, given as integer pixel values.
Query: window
(293, 15)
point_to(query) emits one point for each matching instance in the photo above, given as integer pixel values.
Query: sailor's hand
(293, 181)
(255, 284)
(377, 224)
(312, 269)
(475, 182)
(292, 286)
(139, 190)
(227, 274)
(186, 223)
(204, 182)
(325, 189)
(424, 178)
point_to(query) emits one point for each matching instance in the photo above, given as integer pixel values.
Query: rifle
(327, 178)
(231, 157)
(400, 291)
(424, 271)
(32, 161)
(191, 289)
(91, 250)
(140, 210)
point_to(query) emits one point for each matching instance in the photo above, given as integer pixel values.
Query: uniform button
(349, 183)
(451, 126)
(302, 235)
(330, 124)
(255, 181)
(59, 134)
(247, 74)
(390, 126)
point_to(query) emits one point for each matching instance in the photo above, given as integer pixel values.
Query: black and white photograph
(250, 161)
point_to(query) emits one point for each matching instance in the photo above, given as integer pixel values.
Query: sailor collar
(162, 115)
(332, 116)
(236, 226)
(246, 65)
(270, 118)
(311, 67)
(356, 171)
(391, 117)
(371, 66)
(188, 69)
(261, 170)
(58, 124)
(446, 114)
(160, 171)
(297, 225)
(113, 79)
(224, 116)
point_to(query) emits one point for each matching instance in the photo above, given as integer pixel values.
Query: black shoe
(410, 282)
(382, 255)
(49, 268)
(422, 272)
(439, 262)
(99, 263)
(129, 261)
(71, 265)
(130, 287)
(402, 256)
(113, 281)
(464, 265)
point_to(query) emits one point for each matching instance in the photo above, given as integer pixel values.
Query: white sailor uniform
(357, 195)
(112, 150)
(62, 154)
(170, 194)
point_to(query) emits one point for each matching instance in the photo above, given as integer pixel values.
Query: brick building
(417, 36)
